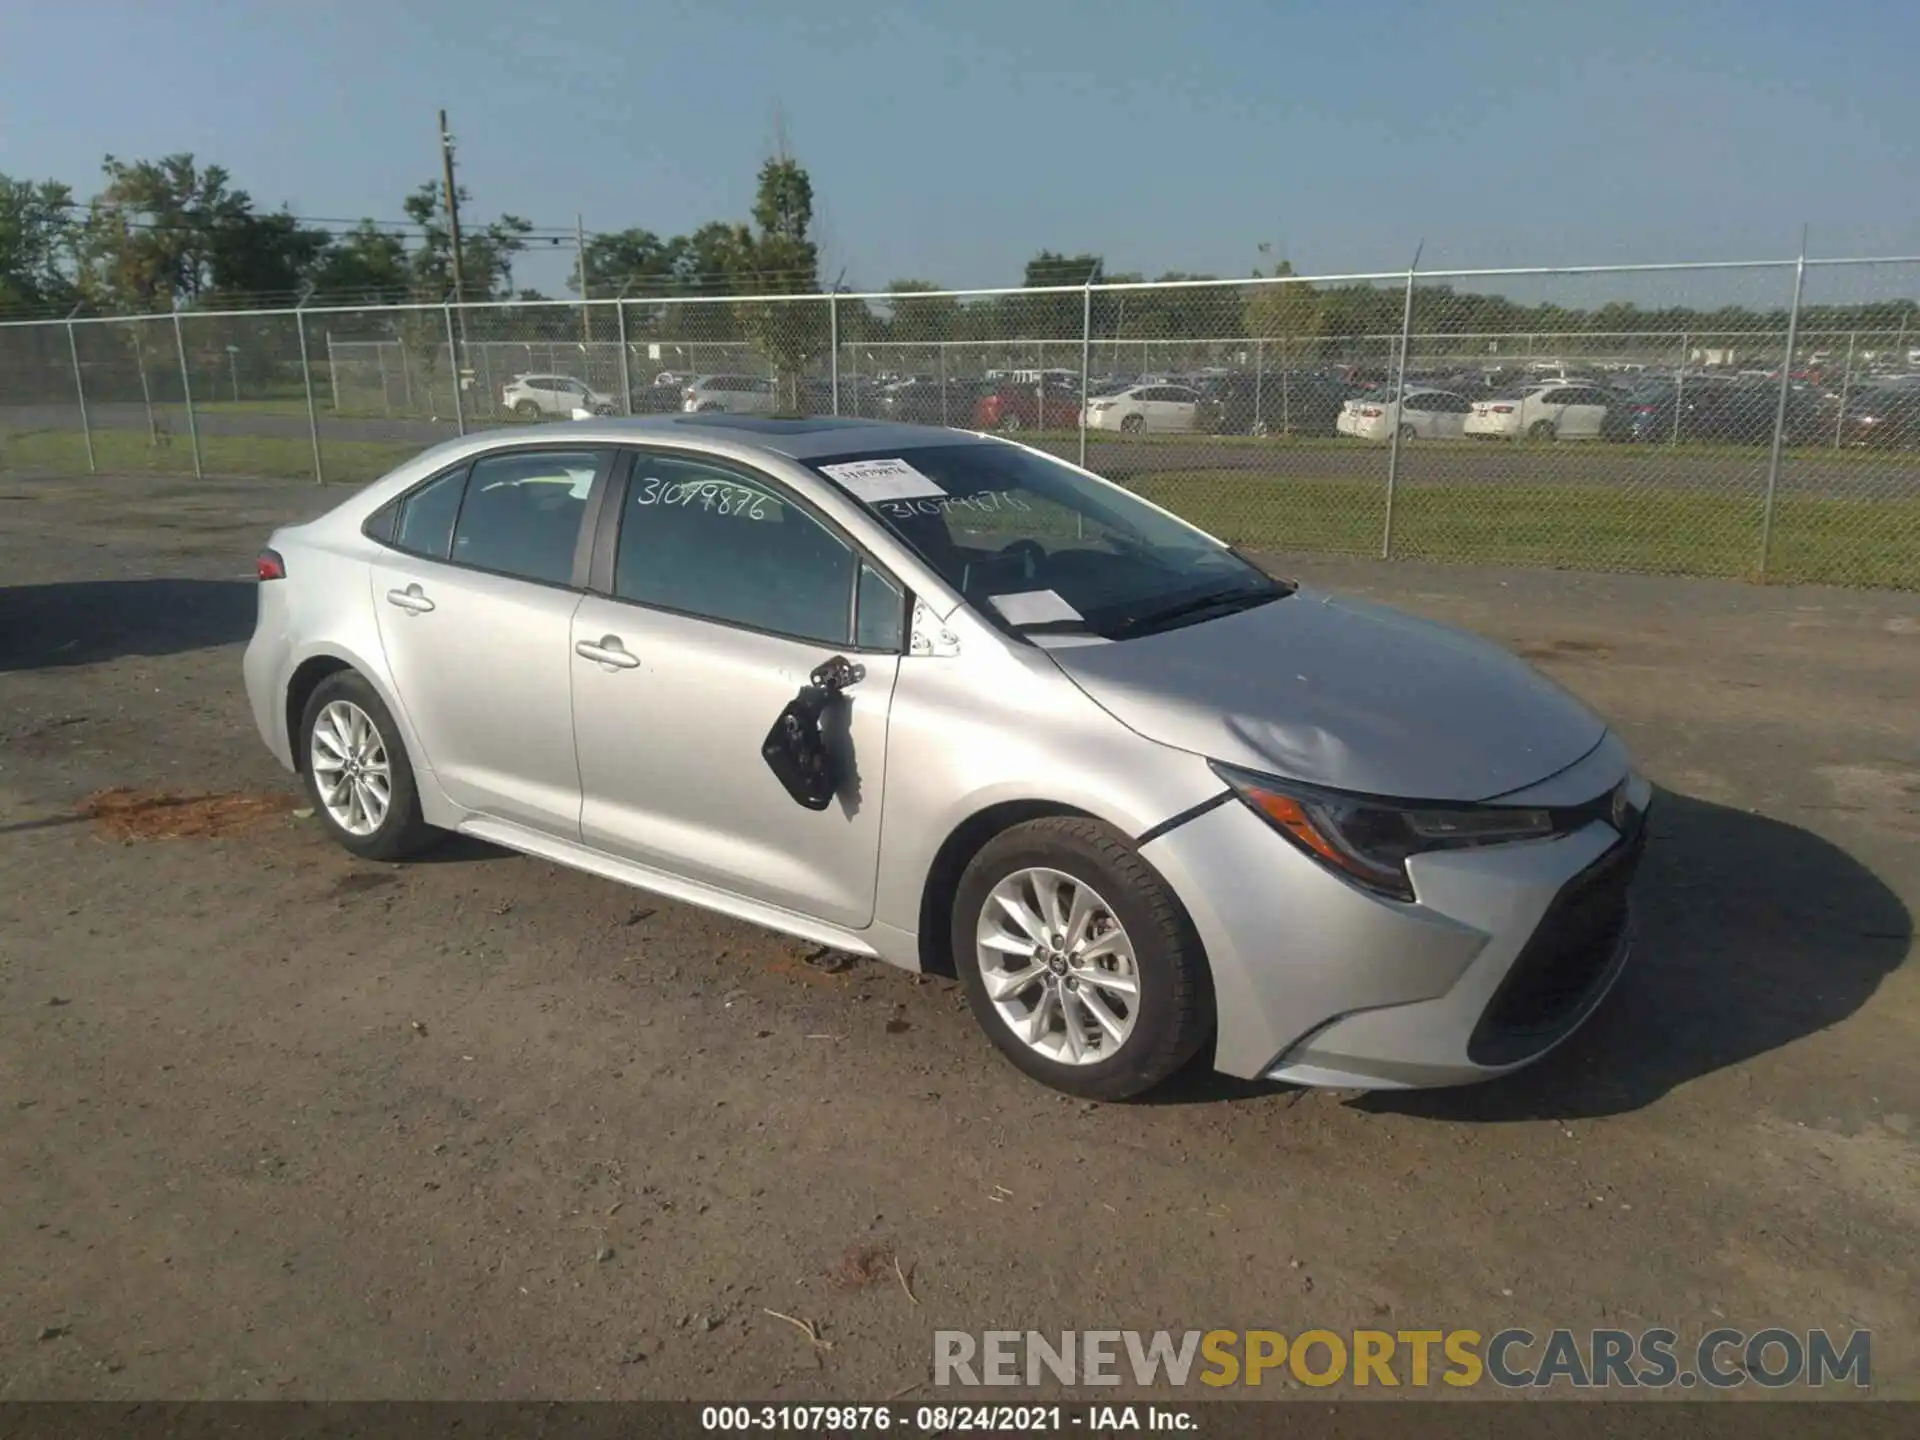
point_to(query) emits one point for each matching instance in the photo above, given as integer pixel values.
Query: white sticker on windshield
(876, 480)
(1033, 607)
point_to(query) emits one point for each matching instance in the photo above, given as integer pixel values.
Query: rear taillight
(1370, 412)
(1645, 409)
(270, 566)
(1502, 409)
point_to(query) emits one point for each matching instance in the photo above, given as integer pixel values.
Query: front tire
(1077, 960)
(356, 771)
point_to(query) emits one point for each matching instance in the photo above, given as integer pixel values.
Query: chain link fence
(1758, 419)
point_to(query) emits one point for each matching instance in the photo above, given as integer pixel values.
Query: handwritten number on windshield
(986, 502)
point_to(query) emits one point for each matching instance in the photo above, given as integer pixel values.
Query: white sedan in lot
(1421, 414)
(1544, 412)
(1144, 407)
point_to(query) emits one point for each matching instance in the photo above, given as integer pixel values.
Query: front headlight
(1369, 841)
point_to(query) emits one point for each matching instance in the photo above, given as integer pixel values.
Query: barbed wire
(715, 285)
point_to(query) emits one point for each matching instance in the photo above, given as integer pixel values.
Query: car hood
(1342, 693)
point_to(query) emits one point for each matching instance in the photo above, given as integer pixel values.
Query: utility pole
(580, 259)
(453, 203)
(456, 362)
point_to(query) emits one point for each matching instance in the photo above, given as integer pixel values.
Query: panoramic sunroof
(766, 425)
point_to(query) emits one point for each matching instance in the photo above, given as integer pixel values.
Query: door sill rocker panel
(673, 887)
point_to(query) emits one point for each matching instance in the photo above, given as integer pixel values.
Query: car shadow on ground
(1753, 933)
(82, 622)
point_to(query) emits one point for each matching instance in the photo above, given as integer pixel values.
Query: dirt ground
(278, 1123)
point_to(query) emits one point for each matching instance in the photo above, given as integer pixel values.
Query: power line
(405, 229)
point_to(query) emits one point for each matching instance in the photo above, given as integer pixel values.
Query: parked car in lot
(1141, 408)
(1888, 416)
(1418, 415)
(1299, 402)
(1041, 747)
(859, 396)
(1718, 411)
(537, 397)
(658, 399)
(1545, 412)
(927, 400)
(1030, 406)
(730, 394)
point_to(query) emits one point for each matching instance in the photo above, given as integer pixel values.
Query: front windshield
(1034, 545)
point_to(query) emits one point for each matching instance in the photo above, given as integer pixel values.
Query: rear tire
(527, 410)
(349, 742)
(1010, 423)
(1407, 433)
(1542, 430)
(1132, 987)
(1133, 424)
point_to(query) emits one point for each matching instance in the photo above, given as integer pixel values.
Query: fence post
(1846, 384)
(80, 389)
(833, 346)
(333, 373)
(1086, 348)
(186, 391)
(1680, 383)
(1286, 386)
(453, 366)
(306, 384)
(1780, 408)
(1399, 394)
(1259, 379)
(943, 382)
(146, 390)
(626, 369)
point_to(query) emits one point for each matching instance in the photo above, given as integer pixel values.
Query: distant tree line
(171, 233)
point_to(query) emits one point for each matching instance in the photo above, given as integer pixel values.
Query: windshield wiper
(1220, 602)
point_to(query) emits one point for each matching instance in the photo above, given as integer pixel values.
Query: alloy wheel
(350, 768)
(1059, 967)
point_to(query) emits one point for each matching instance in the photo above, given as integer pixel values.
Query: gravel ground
(278, 1123)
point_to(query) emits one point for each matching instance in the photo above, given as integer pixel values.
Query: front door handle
(607, 650)
(412, 599)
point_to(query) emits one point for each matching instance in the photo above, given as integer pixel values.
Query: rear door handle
(412, 599)
(607, 651)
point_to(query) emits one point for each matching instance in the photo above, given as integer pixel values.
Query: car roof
(796, 439)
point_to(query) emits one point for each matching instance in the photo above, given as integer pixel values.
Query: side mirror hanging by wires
(796, 748)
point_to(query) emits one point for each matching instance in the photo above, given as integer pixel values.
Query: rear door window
(522, 513)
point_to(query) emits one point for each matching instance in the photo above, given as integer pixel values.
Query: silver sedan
(950, 702)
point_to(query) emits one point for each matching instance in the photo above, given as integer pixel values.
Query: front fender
(951, 758)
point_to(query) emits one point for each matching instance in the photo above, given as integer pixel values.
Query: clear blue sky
(950, 141)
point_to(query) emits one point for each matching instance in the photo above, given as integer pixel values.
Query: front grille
(1566, 958)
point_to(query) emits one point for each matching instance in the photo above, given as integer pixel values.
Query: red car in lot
(1027, 407)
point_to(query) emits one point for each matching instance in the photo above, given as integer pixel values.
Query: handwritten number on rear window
(714, 497)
